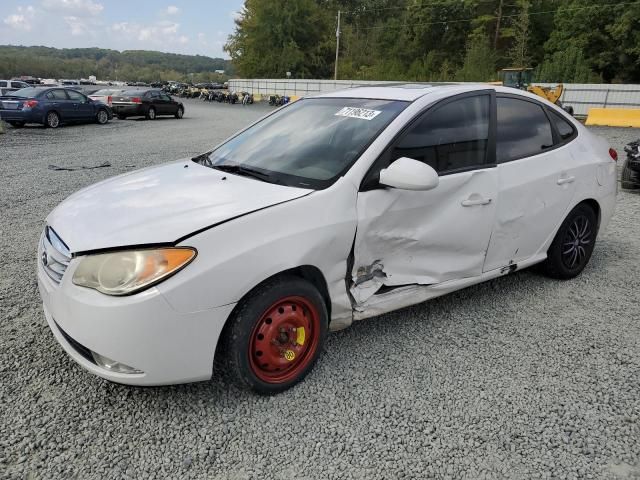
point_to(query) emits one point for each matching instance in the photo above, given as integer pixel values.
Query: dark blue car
(51, 107)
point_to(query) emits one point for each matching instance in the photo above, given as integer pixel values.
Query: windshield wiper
(245, 171)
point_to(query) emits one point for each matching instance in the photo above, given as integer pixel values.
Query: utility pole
(335, 74)
(497, 35)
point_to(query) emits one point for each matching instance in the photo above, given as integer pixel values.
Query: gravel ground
(521, 377)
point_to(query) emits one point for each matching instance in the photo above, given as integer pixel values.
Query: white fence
(580, 96)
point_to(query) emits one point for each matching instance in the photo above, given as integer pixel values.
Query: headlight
(126, 272)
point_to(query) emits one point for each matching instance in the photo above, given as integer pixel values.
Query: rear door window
(3, 84)
(57, 95)
(523, 129)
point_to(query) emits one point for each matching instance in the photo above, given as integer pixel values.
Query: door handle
(563, 180)
(472, 202)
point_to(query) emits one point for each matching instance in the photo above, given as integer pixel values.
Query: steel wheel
(576, 241)
(284, 340)
(53, 120)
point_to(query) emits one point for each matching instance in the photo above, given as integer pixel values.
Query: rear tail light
(30, 103)
(109, 100)
(613, 154)
(136, 100)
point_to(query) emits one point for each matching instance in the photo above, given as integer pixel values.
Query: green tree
(479, 61)
(279, 36)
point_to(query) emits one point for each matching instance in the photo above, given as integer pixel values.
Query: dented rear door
(536, 177)
(429, 237)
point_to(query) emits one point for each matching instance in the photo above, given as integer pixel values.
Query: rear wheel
(102, 117)
(180, 112)
(151, 113)
(276, 335)
(52, 120)
(17, 124)
(573, 245)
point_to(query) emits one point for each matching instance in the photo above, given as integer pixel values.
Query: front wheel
(276, 335)
(179, 113)
(573, 245)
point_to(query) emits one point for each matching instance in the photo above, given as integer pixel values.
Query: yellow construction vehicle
(522, 78)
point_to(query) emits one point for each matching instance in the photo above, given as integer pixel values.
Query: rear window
(25, 92)
(104, 92)
(133, 93)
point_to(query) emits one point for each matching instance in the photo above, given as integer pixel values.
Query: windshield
(308, 144)
(25, 92)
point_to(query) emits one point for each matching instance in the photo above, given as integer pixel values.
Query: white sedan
(329, 210)
(105, 95)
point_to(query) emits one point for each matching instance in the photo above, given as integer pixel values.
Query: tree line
(580, 41)
(129, 65)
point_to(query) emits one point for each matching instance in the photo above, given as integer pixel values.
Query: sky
(189, 26)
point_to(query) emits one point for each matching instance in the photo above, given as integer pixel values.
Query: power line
(444, 22)
(408, 7)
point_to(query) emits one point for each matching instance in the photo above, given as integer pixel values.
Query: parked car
(8, 86)
(145, 103)
(105, 95)
(329, 210)
(51, 107)
(630, 178)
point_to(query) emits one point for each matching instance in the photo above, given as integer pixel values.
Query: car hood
(160, 205)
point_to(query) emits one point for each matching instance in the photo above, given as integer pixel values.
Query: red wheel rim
(284, 340)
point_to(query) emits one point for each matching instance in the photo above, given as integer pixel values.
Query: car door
(83, 109)
(429, 237)
(536, 174)
(171, 107)
(60, 102)
(154, 99)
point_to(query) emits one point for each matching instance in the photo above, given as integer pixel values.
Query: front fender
(234, 257)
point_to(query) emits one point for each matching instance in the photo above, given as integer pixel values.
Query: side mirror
(409, 174)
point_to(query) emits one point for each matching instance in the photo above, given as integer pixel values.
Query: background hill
(132, 65)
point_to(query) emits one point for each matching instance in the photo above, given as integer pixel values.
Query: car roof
(403, 91)
(413, 91)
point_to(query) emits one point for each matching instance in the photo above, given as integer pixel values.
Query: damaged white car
(329, 210)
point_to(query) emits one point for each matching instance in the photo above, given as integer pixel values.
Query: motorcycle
(631, 171)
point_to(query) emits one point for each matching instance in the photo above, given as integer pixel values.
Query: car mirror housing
(409, 174)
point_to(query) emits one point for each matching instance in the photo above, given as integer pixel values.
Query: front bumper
(142, 331)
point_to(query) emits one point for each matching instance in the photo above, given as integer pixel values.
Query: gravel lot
(521, 377)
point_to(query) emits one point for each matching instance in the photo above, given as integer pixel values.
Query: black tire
(234, 353)
(151, 114)
(122, 117)
(179, 113)
(102, 117)
(573, 245)
(17, 124)
(629, 180)
(52, 120)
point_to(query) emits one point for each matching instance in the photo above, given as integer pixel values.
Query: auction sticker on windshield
(361, 113)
